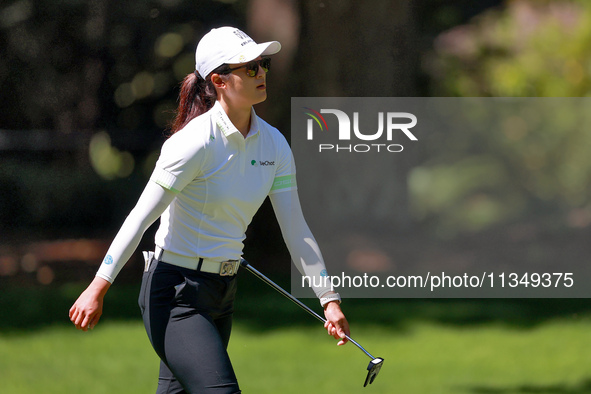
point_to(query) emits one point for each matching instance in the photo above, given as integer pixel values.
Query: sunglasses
(252, 68)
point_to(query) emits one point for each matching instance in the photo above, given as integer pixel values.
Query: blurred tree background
(524, 49)
(88, 88)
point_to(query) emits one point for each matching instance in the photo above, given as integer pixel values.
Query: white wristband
(331, 297)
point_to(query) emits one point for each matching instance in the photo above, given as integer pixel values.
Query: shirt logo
(256, 163)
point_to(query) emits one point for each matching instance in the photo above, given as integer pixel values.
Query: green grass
(429, 346)
(61, 360)
(423, 357)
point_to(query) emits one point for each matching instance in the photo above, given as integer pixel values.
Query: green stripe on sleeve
(169, 187)
(283, 182)
(164, 179)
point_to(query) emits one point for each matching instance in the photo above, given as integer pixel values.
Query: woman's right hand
(88, 308)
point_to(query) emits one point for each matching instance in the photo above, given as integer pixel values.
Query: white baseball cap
(229, 45)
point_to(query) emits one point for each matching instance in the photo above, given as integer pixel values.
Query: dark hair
(197, 96)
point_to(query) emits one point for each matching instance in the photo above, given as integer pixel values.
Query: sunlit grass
(423, 357)
(114, 358)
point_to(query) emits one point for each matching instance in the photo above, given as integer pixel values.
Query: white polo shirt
(221, 179)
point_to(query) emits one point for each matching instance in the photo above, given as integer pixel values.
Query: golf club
(376, 362)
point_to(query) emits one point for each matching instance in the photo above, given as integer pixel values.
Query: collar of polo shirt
(228, 128)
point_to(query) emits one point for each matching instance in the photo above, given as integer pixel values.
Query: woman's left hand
(336, 322)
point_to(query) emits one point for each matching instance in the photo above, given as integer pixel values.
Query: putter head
(373, 369)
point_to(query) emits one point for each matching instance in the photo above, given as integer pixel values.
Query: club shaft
(287, 295)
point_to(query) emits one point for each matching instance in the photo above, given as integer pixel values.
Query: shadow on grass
(33, 308)
(260, 308)
(583, 387)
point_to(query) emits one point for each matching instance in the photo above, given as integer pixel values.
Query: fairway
(421, 357)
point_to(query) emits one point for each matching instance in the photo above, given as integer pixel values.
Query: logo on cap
(243, 36)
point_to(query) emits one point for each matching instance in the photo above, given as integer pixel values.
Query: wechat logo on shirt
(254, 163)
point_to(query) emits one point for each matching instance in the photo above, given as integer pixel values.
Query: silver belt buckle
(228, 268)
(148, 257)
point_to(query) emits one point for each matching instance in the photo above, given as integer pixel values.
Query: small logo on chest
(256, 163)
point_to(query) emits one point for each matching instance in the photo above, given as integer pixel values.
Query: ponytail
(196, 97)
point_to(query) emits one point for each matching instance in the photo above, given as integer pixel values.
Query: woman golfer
(213, 174)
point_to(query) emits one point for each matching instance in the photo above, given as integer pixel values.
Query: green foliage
(525, 160)
(528, 48)
(75, 65)
(53, 200)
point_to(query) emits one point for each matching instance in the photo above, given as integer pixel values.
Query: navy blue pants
(188, 318)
